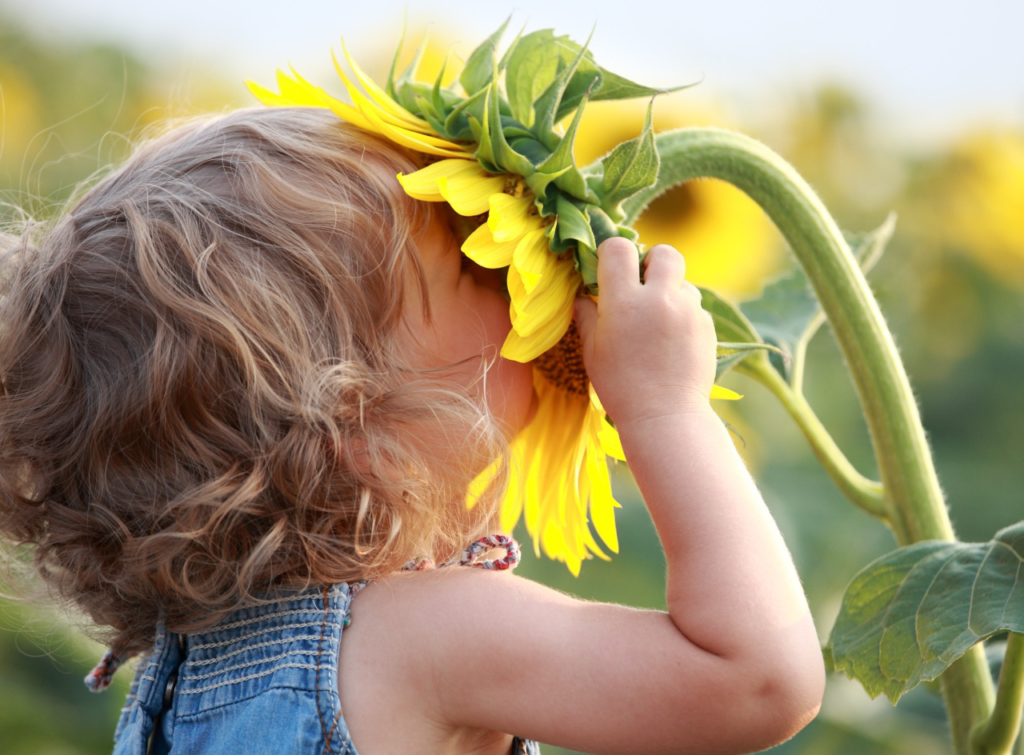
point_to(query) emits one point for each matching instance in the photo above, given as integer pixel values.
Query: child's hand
(649, 348)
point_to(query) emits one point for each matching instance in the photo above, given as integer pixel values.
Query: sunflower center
(562, 364)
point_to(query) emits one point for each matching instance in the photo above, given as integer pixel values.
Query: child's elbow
(784, 697)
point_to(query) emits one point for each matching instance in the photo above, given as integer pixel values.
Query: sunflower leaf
(630, 168)
(389, 87)
(426, 111)
(484, 153)
(583, 78)
(909, 615)
(402, 89)
(618, 88)
(505, 158)
(435, 96)
(731, 354)
(731, 326)
(457, 120)
(788, 314)
(534, 65)
(479, 70)
(539, 182)
(573, 225)
(561, 163)
(532, 149)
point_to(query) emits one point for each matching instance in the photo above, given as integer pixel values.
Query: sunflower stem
(913, 499)
(997, 735)
(864, 493)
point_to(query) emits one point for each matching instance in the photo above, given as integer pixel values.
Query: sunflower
(500, 154)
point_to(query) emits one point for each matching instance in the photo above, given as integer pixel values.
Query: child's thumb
(585, 314)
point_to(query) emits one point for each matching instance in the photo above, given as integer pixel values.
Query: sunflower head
(494, 150)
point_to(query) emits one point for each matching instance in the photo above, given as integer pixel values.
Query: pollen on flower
(562, 364)
(515, 186)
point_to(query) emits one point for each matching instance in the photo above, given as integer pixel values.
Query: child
(246, 376)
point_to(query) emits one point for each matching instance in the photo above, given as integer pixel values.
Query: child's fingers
(664, 266)
(618, 267)
(585, 314)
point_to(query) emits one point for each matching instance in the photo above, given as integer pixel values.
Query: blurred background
(908, 106)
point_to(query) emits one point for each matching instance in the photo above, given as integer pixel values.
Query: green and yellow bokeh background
(951, 285)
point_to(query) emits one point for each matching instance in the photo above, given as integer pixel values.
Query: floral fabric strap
(471, 556)
(100, 677)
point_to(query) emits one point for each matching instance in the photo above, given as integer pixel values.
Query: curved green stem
(913, 498)
(864, 493)
(997, 735)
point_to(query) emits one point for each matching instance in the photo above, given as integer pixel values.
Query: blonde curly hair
(204, 395)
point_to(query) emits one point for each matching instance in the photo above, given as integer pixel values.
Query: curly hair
(204, 394)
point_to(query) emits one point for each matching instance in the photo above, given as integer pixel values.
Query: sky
(929, 69)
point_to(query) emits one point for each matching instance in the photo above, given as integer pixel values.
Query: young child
(246, 378)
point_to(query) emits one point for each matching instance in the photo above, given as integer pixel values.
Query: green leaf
(580, 73)
(389, 87)
(458, 120)
(403, 89)
(617, 88)
(573, 225)
(539, 182)
(630, 168)
(562, 165)
(479, 70)
(535, 64)
(909, 615)
(730, 324)
(787, 313)
(730, 354)
(484, 150)
(435, 96)
(530, 148)
(532, 67)
(506, 158)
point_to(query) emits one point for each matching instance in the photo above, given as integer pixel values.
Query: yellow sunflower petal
(380, 97)
(509, 218)
(267, 97)
(470, 195)
(481, 482)
(718, 391)
(422, 184)
(431, 145)
(611, 444)
(527, 348)
(533, 258)
(485, 251)
(295, 91)
(602, 504)
(551, 299)
(341, 109)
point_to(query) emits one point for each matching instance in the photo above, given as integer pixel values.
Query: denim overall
(263, 681)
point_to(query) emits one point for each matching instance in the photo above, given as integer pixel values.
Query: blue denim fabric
(262, 681)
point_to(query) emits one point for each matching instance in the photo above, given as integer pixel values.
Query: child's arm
(734, 666)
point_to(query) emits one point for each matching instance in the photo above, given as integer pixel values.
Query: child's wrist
(679, 412)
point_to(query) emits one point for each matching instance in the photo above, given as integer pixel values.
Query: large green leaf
(909, 615)
(787, 312)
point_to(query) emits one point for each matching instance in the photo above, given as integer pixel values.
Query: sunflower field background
(951, 285)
